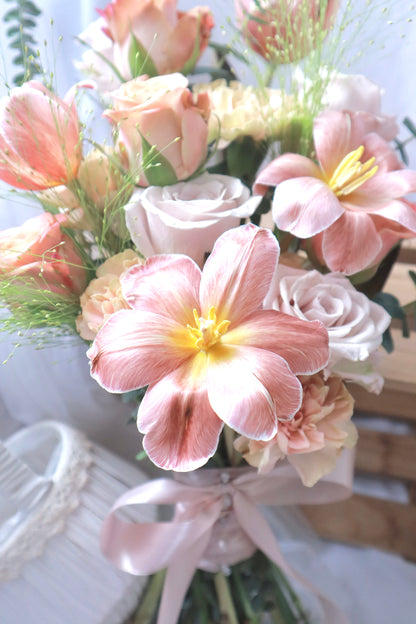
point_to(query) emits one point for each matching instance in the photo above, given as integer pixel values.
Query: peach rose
(103, 295)
(313, 439)
(40, 144)
(144, 37)
(163, 127)
(39, 255)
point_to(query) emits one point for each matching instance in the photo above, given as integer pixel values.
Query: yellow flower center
(207, 331)
(351, 173)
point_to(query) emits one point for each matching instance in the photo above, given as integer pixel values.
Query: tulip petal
(305, 206)
(250, 389)
(285, 167)
(364, 243)
(135, 348)
(237, 274)
(303, 344)
(181, 429)
(332, 137)
(166, 285)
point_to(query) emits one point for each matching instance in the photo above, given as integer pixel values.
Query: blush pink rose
(40, 146)
(40, 256)
(187, 217)
(163, 127)
(313, 439)
(284, 31)
(355, 324)
(103, 295)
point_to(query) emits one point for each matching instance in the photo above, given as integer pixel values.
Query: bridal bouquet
(223, 257)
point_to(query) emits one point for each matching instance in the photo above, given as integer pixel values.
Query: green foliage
(392, 305)
(21, 18)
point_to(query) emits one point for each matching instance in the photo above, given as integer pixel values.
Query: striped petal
(303, 344)
(250, 389)
(166, 285)
(181, 429)
(237, 274)
(135, 348)
(285, 167)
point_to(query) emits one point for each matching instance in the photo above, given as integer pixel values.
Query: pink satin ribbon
(203, 501)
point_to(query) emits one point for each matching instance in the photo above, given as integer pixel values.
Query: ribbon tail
(259, 531)
(178, 579)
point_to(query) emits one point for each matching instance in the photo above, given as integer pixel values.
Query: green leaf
(157, 168)
(413, 276)
(13, 14)
(29, 7)
(409, 125)
(140, 61)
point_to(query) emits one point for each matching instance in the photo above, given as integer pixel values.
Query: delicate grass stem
(200, 600)
(148, 606)
(225, 599)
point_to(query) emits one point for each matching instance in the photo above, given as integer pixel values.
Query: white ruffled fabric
(60, 575)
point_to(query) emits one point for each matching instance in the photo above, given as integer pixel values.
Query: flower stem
(148, 606)
(225, 599)
(286, 589)
(251, 617)
(233, 456)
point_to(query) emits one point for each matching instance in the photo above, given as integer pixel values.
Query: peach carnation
(313, 439)
(103, 295)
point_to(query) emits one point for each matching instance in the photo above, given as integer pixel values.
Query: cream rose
(103, 295)
(355, 324)
(187, 217)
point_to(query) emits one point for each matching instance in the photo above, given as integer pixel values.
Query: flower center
(207, 331)
(351, 173)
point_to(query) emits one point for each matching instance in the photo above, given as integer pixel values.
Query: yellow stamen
(207, 331)
(352, 173)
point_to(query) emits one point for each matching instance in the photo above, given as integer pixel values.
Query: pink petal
(305, 206)
(398, 212)
(351, 244)
(181, 429)
(332, 136)
(166, 284)
(231, 280)
(303, 344)
(250, 389)
(382, 188)
(283, 168)
(135, 348)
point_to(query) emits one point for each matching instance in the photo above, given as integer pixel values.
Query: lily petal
(181, 429)
(305, 206)
(231, 280)
(166, 284)
(364, 243)
(250, 389)
(135, 348)
(285, 167)
(303, 344)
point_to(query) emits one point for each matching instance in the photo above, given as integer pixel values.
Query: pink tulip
(40, 145)
(162, 113)
(283, 31)
(351, 203)
(209, 351)
(39, 255)
(168, 39)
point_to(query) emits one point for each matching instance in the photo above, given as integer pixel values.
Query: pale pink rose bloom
(355, 324)
(103, 295)
(40, 144)
(39, 255)
(173, 40)
(284, 31)
(352, 202)
(187, 217)
(207, 349)
(170, 119)
(314, 438)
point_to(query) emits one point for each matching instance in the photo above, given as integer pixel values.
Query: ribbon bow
(202, 500)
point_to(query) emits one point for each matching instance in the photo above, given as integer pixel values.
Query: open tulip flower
(208, 349)
(351, 202)
(40, 146)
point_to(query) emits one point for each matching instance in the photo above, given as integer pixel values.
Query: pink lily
(351, 203)
(209, 351)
